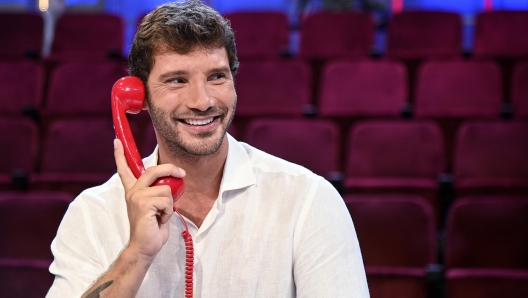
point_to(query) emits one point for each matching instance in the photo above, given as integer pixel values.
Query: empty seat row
(379, 156)
(412, 34)
(77, 36)
(484, 253)
(349, 88)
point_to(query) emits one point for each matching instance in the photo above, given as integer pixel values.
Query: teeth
(198, 122)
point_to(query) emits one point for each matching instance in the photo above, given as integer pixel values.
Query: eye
(176, 81)
(217, 76)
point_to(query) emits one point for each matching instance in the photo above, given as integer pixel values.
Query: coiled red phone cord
(189, 258)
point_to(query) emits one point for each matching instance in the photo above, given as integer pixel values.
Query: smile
(198, 122)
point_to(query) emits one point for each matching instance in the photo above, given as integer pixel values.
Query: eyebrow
(170, 74)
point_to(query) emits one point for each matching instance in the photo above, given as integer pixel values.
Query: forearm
(123, 278)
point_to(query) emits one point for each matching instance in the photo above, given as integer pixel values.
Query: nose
(199, 97)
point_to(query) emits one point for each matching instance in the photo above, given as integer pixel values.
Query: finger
(161, 206)
(124, 171)
(153, 173)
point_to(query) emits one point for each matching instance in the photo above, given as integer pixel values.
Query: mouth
(198, 122)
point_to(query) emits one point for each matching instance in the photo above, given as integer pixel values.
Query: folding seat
(453, 91)
(255, 43)
(364, 88)
(22, 84)
(18, 140)
(424, 34)
(458, 89)
(313, 144)
(486, 247)
(272, 89)
(519, 92)
(326, 35)
(397, 236)
(76, 154)
(87, 36)
(82, 88)
(490, 158)
(395, 157)
(29, 223)
(22, 35)
(501, 33)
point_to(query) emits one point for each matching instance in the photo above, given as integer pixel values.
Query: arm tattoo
(99, 289)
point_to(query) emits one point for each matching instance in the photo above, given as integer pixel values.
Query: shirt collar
(238, 170)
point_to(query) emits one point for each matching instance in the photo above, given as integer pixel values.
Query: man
(262, 227)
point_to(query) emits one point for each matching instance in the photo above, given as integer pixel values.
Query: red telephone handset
(128, 96)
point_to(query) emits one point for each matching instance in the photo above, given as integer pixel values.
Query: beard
(203, 143)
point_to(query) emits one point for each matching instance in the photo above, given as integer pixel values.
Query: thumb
(124, 171)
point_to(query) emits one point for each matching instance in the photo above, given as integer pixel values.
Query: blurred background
(416, 111)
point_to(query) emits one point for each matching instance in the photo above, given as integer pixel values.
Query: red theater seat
(395, 157)
(326, 35)
(424, 34)
(490, 157)
(501, 34)
(29, 223)
(363, 88)
(397, 235)
(82, 88)
(519, 99)
(76, 154)
(260, 35)
(87, 36)
(22, 35)
(22, 85)
(486, 247)
(19, 143)
(312, 144)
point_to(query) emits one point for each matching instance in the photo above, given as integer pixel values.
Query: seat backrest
(29, 223)
(273, 88)
(19, 143)
(82, 88)
(424, 34)
(519, 99)
(363, 88)
(22, 34)
(458, 89)
(488, 232)
(501, 34)
(88, 33)
(21, 83)
(394, 230)
(327, 35)
(383, 149)
(312, 144)
(260, 34)
(79, 146)
(491, 150)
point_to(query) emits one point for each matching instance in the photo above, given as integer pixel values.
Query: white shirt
(275, 230)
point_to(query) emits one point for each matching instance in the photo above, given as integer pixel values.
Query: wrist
(134, 257)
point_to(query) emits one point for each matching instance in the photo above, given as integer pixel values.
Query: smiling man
(262, 227)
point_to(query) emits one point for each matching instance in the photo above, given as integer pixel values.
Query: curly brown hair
(182, 28)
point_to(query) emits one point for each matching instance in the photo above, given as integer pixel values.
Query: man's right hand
(149, 208)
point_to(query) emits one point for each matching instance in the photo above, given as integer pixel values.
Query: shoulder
(268, 163)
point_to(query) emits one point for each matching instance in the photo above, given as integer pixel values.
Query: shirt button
(198, 238)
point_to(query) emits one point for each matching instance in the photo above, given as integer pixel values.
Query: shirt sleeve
(76, 262)
(328, 260)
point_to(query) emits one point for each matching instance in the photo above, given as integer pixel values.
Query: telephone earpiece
(128, 96)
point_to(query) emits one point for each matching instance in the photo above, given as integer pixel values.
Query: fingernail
(182, 171)
(115, 143)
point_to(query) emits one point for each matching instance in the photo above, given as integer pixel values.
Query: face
(191, 101)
